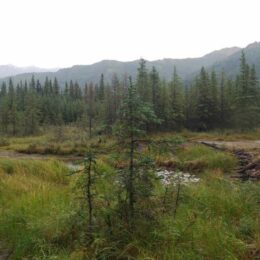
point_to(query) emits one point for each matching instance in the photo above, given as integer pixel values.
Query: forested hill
(227, 59)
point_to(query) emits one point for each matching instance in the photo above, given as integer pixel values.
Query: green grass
(217, 218)
(200, 158)
(36, 208)
(193, 158)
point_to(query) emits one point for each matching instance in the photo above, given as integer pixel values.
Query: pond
(175, 177)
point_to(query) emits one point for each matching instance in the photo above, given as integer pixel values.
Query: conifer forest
(131, 168)
(210, 101)
(122, 137)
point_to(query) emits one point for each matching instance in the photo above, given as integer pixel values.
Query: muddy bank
(13, 154)
(249, 168)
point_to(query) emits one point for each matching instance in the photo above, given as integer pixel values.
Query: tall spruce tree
(214, 99)
(204, 105)
(134, 116)
(176, 102)
(143, 82)
(247, 110)
(101, 89)
(90, 102)
(31, 113)
(155, 88)
(13, 116)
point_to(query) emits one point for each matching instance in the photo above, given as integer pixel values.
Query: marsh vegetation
(44, 212)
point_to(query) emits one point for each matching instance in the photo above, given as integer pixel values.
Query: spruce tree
(31, 113)
(143, 82)
(204, 106)
(176, 102)
(12, 107)
(247, 109)
(155, 85)
(134, 116)
(90, 102)
(101, 89)
(214, 99)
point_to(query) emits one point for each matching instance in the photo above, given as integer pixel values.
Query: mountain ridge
(9, 70)
(226, 58)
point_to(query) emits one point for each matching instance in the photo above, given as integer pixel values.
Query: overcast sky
(61, 33)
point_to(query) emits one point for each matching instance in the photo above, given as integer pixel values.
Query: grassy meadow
(43, 214)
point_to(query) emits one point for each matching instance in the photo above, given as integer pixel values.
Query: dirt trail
(235, 145)
(247, 153)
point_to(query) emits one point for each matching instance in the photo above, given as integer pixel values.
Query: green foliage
(135, 114)
(247, 97)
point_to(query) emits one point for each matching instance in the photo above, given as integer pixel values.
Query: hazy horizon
(57, 68)
(58, 34)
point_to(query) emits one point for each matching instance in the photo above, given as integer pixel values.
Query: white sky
(61, 33)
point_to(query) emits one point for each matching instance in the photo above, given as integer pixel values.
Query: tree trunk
(177, 198)
(131, 179)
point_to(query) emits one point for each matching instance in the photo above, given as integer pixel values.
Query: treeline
(209, 102)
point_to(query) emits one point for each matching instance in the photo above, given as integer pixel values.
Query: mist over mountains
(11, 70)
(227, 59)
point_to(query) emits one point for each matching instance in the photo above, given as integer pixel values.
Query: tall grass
(216, 218)
(200, 158)
(35, 208)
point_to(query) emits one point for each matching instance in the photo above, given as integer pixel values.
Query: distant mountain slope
(10, 70)
(232, 63)
(84, 73)
(228, 59)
